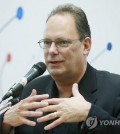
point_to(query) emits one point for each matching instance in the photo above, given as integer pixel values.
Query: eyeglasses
(61, 43)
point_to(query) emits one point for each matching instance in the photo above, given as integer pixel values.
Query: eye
(47, 43)
(62, 43)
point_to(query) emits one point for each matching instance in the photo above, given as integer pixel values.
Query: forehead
(60, 25)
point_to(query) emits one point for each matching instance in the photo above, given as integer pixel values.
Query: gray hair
(78, 14)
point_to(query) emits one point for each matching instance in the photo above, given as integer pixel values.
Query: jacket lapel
(88, 85)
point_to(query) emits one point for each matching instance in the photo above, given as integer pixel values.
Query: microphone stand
(10, 103)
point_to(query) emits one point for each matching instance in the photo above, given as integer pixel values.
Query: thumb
(75, 90)
(34, 92)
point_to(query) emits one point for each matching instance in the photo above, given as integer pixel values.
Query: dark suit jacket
(101, 88)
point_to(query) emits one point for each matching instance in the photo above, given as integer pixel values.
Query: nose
(53, 49)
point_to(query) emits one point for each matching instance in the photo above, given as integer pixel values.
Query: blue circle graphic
(109, 46)
(19, 13)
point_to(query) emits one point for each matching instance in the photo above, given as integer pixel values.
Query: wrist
(5, 125)
(86, 111)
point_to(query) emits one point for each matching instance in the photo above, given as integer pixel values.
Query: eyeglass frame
(67, 41)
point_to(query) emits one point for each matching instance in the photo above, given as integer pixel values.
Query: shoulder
(107, 76)
(104, 80)
(103, 77)
(39, 83)
(40, 80)
(108, 82)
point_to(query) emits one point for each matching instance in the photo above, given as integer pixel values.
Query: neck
(65, 84)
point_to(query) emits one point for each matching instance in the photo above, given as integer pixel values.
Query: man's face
(66, 61)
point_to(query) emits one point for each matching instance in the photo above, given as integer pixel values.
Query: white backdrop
(22, 24)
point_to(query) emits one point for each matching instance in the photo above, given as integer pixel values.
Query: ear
(87, 45)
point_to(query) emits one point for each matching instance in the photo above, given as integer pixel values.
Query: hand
(74, 109)
(19, 113)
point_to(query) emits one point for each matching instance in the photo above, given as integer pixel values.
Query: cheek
(67, 54)
(76, 56)
(45, 55)
(69, 57)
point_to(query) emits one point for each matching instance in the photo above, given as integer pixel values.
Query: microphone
(37, 70)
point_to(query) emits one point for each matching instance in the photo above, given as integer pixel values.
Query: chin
(55, 72)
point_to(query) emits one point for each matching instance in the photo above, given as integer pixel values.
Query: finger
(28, 122)
(33, 105)
(34, 92)
(49, 108)
(31, 114)
(48, 117)
(53, 124)
(55, 100)
(75, 90)
(36, 98)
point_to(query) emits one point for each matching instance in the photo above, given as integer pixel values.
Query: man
(75, 98)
